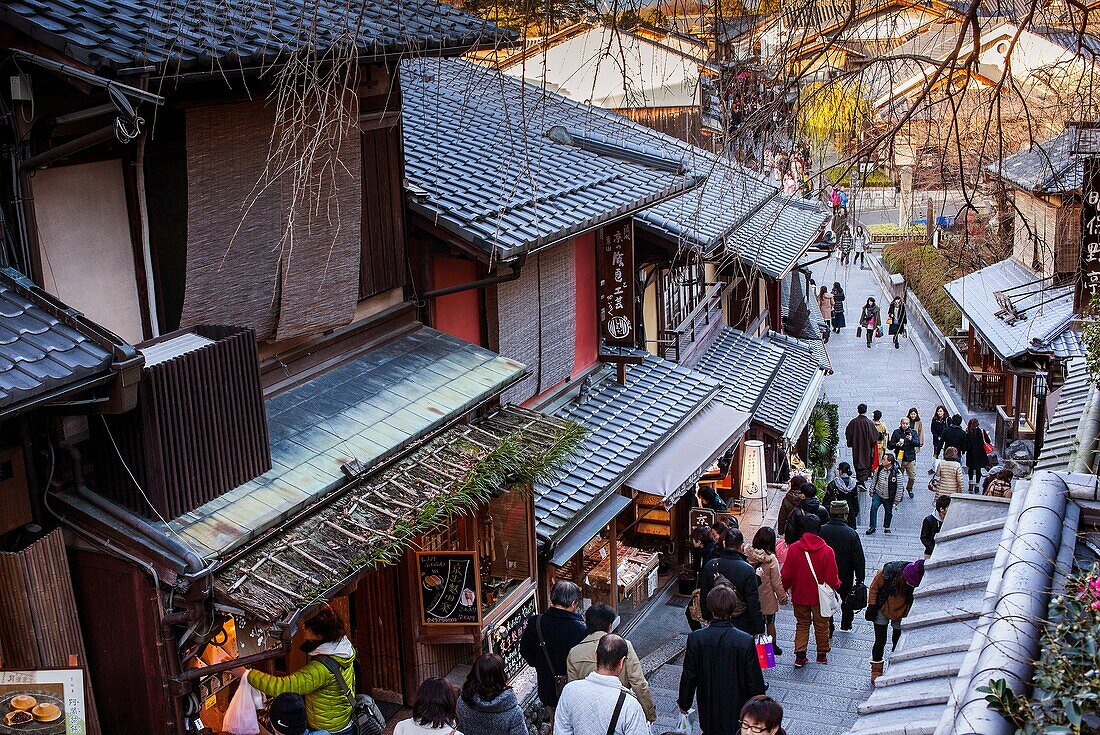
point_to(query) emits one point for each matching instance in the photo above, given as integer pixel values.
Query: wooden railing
(981, 390)
(678, 343)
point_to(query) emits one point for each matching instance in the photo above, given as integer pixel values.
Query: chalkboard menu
(504, 636)
(450, 590)
(699, 518)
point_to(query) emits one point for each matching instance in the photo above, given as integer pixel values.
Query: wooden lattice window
(445, 538)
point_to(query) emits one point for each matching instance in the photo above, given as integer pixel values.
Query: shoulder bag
(827, 598)
(559, 681)
(857, 599)
(366, 717)
(618, 710)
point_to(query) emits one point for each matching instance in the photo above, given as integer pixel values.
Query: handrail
(714, 294)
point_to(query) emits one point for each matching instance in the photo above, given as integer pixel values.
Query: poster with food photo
(43, 702)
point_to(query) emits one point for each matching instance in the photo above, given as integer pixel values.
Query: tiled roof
(775, 379)
(42, 347)
(911, 697)
(230, 34)
(794, 390)
(626, 425)
(739, 213)
(1047, 310)
(743, 364)
(1044, 168)
(1075, 397)
(481, 165)
(802, 319)
(366, 410)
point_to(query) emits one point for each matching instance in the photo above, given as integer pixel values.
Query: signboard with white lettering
(615, 243)
(449, 587)
(1090, 230)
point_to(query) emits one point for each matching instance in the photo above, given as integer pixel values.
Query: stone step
(913, 721)
(887, 697)
(916, 669)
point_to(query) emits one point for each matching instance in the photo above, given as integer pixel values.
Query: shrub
(926, 270)
(824, 432)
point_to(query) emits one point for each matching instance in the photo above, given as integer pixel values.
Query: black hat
(288, 714)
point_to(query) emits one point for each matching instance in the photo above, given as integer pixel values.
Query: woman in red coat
(798, 578)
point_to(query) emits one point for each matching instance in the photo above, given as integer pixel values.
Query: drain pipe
(515, 265)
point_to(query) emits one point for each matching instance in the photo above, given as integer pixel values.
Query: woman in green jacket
(327, 706)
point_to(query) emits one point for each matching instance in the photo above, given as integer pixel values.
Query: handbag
(765, 652)
(559, 681)
(857, 598)
(827, 598)
(859, 332)
(878, 331)
(366, 717)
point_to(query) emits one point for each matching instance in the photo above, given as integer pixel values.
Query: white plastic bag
(686, 724)
(240, 717)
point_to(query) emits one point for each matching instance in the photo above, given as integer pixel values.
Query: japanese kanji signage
(1090, 232)
(616, 246)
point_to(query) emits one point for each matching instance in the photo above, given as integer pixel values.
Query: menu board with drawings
(450, 588)
(504, 636)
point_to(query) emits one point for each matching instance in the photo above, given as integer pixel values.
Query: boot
(876, 670)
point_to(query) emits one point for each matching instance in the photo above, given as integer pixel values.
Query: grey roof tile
(480, 164)
(38, 352)
(312, 434)
(209, 32)
(743, 364)
(1048, 311)
(1048, 167)
(793, 381)
(1060, 436)
(626, 423)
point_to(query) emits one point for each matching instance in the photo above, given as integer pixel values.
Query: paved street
(822, 700)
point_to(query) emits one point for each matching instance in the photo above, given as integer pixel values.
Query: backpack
(366, 717)
(724, 581)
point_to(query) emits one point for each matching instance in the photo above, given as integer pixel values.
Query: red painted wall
(587, 345)
(458, 314)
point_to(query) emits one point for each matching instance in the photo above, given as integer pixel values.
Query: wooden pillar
(613, 553)
(970, 345)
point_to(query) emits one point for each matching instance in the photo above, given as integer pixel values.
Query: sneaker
(870, 530)
(910, 493)
(823, 658)
(886, 530)
(800, 660)
(932, 471)
(777, 650)
(846, 630)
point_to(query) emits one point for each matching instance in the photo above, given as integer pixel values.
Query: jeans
(878, 650)
(876, 501)
(859, 258)
(804, 616)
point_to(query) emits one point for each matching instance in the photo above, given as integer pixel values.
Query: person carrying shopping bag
(870, 320)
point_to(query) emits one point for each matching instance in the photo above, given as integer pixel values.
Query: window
(505, 546)
(382, 255)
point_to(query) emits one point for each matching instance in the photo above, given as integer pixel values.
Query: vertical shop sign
(1089, 287)
(616, 247)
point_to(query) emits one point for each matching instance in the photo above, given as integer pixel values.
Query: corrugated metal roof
(1048, 167)
(187, 34)
(41, 347)
(365, 410)
(1047, 310)
(626, 425)
(476, 145)
(1060, 435)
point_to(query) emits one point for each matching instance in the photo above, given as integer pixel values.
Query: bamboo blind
(39, 628)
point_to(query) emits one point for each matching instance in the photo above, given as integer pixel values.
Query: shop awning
(687, 455)
(303, 563)
(575, 540)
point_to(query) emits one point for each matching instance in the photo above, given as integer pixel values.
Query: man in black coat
(721, 667)
(851, 565)
(733, 565)
(861, 435)
(954, 435)
(562, 628)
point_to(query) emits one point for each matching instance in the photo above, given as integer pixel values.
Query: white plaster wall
(84, 243)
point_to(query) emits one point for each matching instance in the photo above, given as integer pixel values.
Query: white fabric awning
(686, 456)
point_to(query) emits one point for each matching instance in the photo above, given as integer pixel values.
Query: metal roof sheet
(477, 153)
(627, 424)
(182, 35)
(42, 347)
(365, 411)
(1048, 311)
